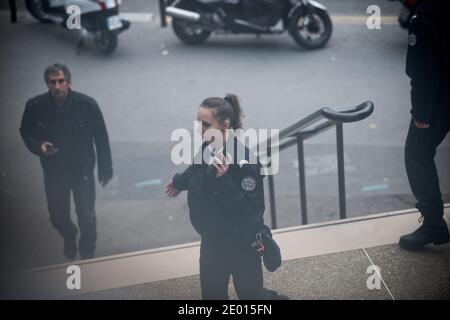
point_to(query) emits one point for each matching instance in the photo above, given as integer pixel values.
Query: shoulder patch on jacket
(248, 183)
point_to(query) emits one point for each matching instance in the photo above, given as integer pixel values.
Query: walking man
(62, 127)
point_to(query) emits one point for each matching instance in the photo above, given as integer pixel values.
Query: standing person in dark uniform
(226, 206)
(61, 127)
(427, 65)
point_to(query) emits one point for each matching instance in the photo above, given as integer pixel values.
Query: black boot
(87, 255)
(86, 248)
(433, 230)
(70, 248)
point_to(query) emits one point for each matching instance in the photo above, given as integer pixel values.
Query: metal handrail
(354, 114)
(298, 133)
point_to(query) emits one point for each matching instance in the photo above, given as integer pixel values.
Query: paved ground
(344, 275)
(153, 84)
(355, 258)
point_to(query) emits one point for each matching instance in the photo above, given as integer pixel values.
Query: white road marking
(138, 16)
(324, 164)
(353, 19)
(150, 17)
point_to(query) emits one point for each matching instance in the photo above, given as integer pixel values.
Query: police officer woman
(226, 206)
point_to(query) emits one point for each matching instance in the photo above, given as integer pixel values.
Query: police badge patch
(412, 40)
(248, 184)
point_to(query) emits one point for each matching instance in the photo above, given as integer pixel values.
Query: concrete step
(326, 260)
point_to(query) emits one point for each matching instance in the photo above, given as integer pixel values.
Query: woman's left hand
(221, 164)
(171, 192)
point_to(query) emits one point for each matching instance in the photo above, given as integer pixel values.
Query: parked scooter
(307, 21)
(99, 19)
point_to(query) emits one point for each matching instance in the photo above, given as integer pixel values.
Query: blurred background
(153, 83)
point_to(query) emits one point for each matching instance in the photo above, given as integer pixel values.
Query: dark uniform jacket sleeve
(422, 66)
(101, 139)
(180, 181)
(240, 199)
(28, 130)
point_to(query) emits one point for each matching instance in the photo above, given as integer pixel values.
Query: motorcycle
(99, 19)
(306, 21)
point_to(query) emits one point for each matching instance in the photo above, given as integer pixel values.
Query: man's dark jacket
(87, 128)
(428, 61)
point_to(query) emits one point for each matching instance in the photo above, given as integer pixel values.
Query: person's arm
(180, 181)
(28, 130)
(422, 66)
(101, 140)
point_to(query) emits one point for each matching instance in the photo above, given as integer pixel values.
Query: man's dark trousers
(58, 190)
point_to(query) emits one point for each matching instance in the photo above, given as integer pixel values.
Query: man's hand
(48, 149)
(104, 181)
(171, 192)
(421, 125)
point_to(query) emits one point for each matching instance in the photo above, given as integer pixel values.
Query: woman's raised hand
(221, 164)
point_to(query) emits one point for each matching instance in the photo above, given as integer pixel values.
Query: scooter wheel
(190, 33)
(311, 30)
(106, 41)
